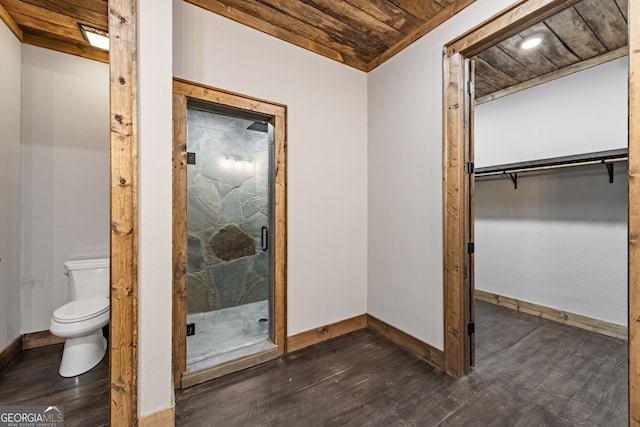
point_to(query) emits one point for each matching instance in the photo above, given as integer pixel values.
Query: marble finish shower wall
(227, 206)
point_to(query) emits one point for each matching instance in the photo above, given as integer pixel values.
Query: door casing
(182, 91)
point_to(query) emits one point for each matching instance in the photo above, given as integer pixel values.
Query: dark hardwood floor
(32, 379)
(531, 372)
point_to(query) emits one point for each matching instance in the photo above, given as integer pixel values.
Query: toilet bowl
(81, 320)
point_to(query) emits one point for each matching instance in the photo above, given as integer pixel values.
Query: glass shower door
(228, 228)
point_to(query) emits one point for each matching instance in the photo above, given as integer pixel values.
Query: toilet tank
(88, 278)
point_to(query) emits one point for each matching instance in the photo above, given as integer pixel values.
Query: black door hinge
(470, 168)
(191, 329)
(471, 248)
(471, 328)
(191, 158)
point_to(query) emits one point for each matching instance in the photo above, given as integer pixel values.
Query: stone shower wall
(227, 205)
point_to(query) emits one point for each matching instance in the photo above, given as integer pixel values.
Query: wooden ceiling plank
(425, 28)
(50, 41)
(421, 9)
(574, 68)
(73, 10)
(358, 19)
(258, 19)
(500, 60)
(532, 59)
(387, 12)
(606, 21)
(10, 23)
(553, 49)
(338, 30)
(493, 75)
(484, 86)
(29, 23)
(25, 14)
(623, 5)
(569, 26)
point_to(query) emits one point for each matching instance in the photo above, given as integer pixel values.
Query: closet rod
(555, 162)
(549, 167)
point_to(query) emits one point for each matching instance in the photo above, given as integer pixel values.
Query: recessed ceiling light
(531, 42)
(95, 37)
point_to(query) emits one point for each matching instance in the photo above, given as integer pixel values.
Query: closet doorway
(229, 232)
(459, 179)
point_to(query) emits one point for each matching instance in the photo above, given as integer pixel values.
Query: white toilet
(81, 320)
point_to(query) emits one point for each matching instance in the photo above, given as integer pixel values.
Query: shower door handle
(264, 238)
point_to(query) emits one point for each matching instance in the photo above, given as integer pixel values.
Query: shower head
(259, 126)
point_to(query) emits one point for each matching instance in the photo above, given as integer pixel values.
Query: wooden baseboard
(401, 338)
(315, 336)
(164, 418)
(572, 319)
(39, 339)
(10, 351)
(192, 378)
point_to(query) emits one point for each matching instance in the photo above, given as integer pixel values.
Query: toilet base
(82, 353)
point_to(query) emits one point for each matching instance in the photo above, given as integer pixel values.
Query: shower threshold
(228, 334)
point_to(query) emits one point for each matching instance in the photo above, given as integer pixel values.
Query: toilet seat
(81, 310)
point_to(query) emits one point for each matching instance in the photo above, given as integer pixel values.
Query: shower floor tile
(227, 334)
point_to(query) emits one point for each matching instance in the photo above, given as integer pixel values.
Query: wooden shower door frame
(182, 91)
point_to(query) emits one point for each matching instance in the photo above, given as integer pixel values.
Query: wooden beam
(281, 231)
(327, 332)
(179, 240)
(563, 72)
(634, 213)
(10, 23)
(123, 339)
(401, 338)
(572, 319)
(425, 28)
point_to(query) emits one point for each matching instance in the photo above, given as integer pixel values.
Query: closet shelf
(607, 158)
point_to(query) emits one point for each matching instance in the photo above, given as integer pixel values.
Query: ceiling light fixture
(95, 37)
(531, 42)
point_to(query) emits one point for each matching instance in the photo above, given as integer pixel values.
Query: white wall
(65, 175)
(405, 180)
(560, 239)
(9, 186)
(580, 113)
(155, 390)
(327, 154)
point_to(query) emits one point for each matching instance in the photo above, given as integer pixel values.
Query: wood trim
(419, 32)
(401, 338)
(10, 351)
(272, 30)
(123, 334)
(164, 418)
(10, 23)
(179, 239)
(184, 89)
(505, 24)
(583, 322)
(634, 212)
(192, 378)
(40, 339)
(455, 217)
(70, 47)
(324, 333)
(498, 28)
(563, 72)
